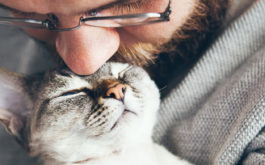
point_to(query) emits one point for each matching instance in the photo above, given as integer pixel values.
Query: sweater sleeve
(255, 152)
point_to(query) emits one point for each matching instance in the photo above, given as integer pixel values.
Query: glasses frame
(51, 24)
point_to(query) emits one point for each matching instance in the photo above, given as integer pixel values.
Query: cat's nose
(117, 92)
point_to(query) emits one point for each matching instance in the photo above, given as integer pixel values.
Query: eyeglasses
(96, 21)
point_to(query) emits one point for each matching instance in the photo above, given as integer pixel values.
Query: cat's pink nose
(117, 92)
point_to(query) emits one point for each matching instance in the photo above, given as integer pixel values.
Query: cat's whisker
(163, 88)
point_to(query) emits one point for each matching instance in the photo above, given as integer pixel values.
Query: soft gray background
(19, 53)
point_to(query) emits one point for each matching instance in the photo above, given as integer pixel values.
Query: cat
(101, 119)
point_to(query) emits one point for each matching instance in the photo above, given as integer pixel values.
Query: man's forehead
(56, 6)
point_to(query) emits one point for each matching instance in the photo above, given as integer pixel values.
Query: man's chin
(140, 54)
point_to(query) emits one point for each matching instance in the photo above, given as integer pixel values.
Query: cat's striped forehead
(65, 80)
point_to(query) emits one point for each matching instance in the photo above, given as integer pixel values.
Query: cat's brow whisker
(125, 70)
(64, 73)
(163, 88)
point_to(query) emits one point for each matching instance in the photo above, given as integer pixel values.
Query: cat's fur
(68, 120)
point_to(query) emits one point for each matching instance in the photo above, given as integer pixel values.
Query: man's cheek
(162, 32)
(151, 33)
(42, 35)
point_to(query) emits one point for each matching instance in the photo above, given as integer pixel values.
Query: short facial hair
(183, 49)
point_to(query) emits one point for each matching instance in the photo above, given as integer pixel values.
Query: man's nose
(117, 92)
(86, 49)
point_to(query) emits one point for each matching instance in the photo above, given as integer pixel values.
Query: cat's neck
(143, 153)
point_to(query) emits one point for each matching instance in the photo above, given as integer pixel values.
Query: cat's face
(76, 118)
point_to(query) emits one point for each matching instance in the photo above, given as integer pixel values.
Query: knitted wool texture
(216, 114)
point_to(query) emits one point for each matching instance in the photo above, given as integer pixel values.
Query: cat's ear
(12, 123)
(14, 102)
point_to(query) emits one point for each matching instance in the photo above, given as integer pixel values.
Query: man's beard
(183, 49)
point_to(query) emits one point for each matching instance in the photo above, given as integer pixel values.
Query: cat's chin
(123, 116)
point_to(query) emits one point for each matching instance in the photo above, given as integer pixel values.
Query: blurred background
(19, 53)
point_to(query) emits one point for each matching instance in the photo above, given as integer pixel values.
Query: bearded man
(206, 55)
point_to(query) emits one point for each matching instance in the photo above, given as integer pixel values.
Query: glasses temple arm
(165, 15)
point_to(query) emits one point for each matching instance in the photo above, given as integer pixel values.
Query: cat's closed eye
(86, 91)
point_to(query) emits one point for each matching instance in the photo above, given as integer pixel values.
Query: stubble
(176, 57)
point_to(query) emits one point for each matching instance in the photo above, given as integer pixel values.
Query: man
(80, 48)
(174, 45)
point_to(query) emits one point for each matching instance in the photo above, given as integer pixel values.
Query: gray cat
(102, 119)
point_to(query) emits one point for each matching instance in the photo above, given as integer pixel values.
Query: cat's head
(72, 118)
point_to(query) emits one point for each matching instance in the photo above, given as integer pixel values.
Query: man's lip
(123, 114)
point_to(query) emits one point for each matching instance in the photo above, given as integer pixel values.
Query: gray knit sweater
(216, 115)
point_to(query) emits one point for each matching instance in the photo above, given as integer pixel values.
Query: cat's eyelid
(77, 91)
(70, 93)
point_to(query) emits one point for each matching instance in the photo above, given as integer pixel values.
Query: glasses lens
(7, 20)
(23, 23)
(129, 20)
(4, 12)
